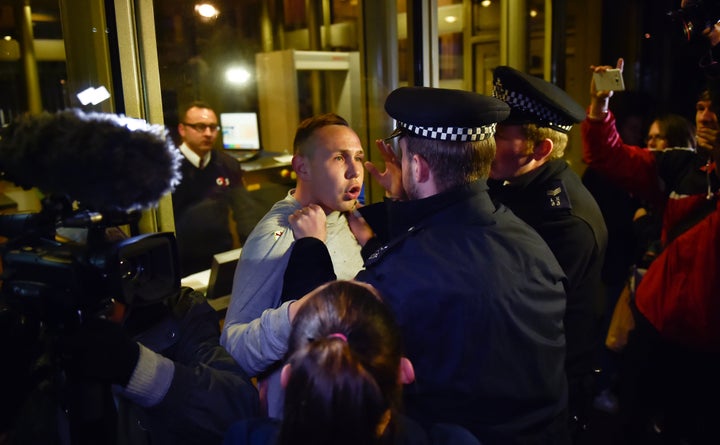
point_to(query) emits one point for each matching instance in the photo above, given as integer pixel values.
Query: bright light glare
(485, 3)
(206, 10)
(237, 75)
(451, 19)
(8, 38)
(93, 95)
(533, 13)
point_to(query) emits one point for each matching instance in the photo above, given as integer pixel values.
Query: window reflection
(48, 58)
(205, 57)
(213, 56)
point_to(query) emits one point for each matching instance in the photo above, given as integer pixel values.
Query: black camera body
(692, 19)
(61, 281)
(97, 171)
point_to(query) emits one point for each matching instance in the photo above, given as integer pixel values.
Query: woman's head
(343, 376)
(670, 130)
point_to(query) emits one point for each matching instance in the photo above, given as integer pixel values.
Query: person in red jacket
(669, 380)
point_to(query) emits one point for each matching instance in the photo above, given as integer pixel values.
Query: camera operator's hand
(600, 99)
(100, 350)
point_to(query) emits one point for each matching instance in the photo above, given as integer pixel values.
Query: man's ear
(420, 169)
(407, 371)
(285, 375)
(542, 149)
(181, 130)
(301, 166)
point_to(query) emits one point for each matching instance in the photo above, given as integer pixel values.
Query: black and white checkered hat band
(528, 105)
(452, 134)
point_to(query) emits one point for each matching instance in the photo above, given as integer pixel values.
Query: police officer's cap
(533, 100)
(445, 114)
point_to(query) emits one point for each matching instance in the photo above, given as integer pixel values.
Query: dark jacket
(201, 205)
(480, 298)
(265, 431)
(208, 392)
(553, 200)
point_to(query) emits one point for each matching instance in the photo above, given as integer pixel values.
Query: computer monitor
(222, 271)
(240, 131)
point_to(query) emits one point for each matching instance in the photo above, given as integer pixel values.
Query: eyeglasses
(655, 137)
(200, 128)
(394, 139)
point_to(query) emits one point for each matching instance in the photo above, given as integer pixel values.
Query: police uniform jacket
(480, 299)
(553, 200)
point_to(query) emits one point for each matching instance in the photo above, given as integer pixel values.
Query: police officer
(530, 176)
(477, 293)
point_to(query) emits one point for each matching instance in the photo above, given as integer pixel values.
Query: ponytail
(344, 357)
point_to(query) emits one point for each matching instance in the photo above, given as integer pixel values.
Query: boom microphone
(106, 162)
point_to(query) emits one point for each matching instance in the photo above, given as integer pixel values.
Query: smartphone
(610, 80)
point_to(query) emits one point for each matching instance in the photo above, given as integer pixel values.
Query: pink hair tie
(338, 335)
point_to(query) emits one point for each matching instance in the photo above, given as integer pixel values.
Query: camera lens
(682, 22)
(130, 269)
(691, 20)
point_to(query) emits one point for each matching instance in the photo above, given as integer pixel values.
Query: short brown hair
(307, 127)
(454, 163)
(194, 104)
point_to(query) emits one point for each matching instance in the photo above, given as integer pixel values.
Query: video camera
(691, 20)
(98, 171)
(59, 280)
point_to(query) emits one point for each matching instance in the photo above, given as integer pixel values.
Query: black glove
(100, 350)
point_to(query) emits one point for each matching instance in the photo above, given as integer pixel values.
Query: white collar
(193, 157)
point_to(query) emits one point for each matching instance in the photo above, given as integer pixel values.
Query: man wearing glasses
(211, 186)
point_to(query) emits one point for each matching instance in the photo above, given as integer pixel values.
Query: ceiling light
(237, 75)
(207, 10)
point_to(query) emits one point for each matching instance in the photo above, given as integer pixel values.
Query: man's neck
(306, 198)
(302, 195)
(193, 156)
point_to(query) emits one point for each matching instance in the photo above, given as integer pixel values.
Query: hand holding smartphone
(610, 80)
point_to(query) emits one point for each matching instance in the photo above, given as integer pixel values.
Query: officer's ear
(542, 149)
(420, 169)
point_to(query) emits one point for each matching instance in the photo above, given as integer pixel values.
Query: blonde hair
(536, 134)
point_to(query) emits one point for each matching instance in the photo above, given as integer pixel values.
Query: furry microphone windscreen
(104, 161)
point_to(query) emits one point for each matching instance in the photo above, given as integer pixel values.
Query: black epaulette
(556, 197)
(378, 254)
